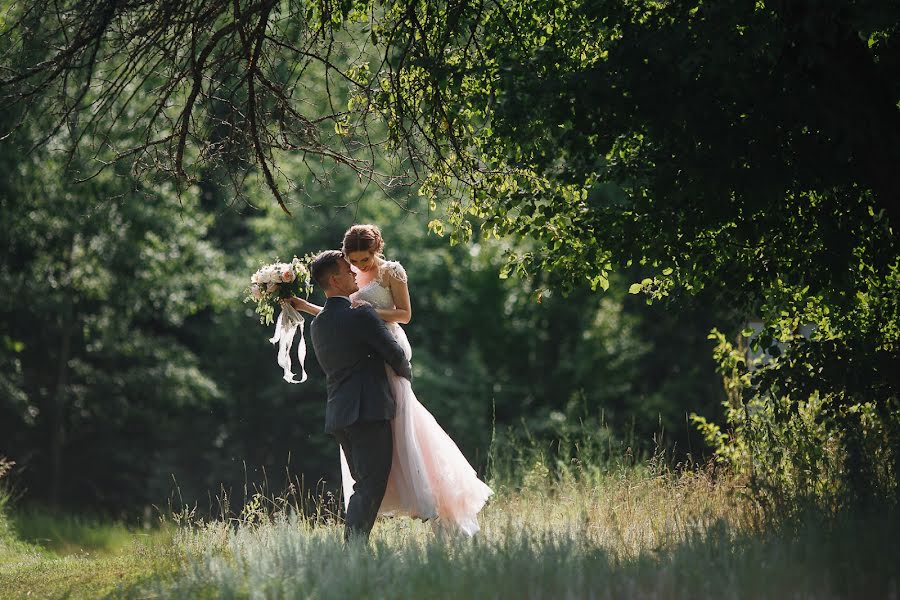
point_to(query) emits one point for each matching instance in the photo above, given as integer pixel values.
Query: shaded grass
(47, 555)
(65, 534)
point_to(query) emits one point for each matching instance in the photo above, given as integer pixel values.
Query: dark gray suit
(352, 345)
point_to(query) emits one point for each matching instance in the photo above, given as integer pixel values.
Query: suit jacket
(352, 345)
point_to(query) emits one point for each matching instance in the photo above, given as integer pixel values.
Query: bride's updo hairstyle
(363, 237)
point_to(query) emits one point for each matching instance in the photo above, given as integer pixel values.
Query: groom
(352, 346)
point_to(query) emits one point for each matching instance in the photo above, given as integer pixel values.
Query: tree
(738, 152)
(101, 277)
(185, 88)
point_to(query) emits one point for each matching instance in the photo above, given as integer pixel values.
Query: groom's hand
(297, 303)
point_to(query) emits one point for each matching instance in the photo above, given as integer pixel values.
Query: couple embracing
(395, 458)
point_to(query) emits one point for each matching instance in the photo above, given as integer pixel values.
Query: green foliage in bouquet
(275, 282)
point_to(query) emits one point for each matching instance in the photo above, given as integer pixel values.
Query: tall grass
(628, 534)
(559, 526)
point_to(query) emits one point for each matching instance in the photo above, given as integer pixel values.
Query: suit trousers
(368, 446)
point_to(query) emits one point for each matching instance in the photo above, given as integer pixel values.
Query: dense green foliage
(731, 161)
(740, 151)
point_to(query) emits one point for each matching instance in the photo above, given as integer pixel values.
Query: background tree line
(131, 365)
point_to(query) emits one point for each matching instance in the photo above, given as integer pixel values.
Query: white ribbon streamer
(288, 322)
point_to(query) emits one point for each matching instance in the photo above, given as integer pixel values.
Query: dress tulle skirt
(430, 478)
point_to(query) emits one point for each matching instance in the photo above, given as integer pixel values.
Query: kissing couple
(395, 458)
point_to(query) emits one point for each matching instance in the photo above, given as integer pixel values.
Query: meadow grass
(48, 555)
(67, 534)
(617, 532)
(633, 533)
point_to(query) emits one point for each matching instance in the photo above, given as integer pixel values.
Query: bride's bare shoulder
(392, 269)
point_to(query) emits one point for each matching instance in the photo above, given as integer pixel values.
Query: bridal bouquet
(268, 287)
(273, 282)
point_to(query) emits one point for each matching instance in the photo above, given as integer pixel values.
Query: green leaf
(635, 288)
(436, 226)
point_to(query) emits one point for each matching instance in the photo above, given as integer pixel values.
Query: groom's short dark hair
(324, 265)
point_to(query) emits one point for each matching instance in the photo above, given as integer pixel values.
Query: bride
(430, 478)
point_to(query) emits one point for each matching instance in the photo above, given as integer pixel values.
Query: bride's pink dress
(430, 478)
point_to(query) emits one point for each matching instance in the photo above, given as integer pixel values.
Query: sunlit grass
(627, 534)
(41, 575)
(583, 532)
(49, 555)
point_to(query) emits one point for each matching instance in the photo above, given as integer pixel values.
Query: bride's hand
(358, 303)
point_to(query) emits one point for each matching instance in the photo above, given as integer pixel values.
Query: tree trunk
(56, 418)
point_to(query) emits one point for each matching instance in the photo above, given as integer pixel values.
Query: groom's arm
(376, 334)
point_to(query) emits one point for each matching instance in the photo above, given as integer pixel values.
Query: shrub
(803, 448)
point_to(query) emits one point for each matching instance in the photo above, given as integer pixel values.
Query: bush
(806, 449)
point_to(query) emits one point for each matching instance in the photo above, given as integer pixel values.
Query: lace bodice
(376, 292)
